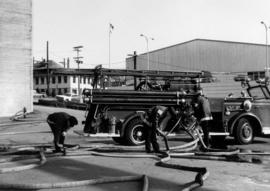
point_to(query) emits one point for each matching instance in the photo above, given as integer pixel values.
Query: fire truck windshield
(259, 92)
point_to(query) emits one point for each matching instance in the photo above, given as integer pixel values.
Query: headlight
(227, 111)
(247, 105)
(86, 99)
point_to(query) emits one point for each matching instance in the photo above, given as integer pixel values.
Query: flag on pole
(111, 28)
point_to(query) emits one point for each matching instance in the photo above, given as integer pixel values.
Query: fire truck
(116, 112)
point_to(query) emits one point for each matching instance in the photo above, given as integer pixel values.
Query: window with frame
(74, 79)
(42, 80)
(74, 91)
(53, 79)
(59, 79)
(37, 80)
(65, 79)
(84, 80)
(60, 91)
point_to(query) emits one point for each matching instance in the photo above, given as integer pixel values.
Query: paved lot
(223, 175)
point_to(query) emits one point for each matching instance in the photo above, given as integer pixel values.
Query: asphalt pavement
(224, 175)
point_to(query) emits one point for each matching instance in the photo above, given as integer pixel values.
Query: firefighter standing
(60, 123)
(203, 113)
(151, 121)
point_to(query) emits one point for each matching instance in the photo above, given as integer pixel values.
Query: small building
(60, 83)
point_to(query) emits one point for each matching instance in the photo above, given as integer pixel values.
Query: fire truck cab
(248, 116)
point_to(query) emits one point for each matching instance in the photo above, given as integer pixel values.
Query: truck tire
(134, 132)
(244, 133)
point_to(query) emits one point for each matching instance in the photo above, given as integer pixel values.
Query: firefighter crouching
(152, 119)
(60, 123)
(203, 114)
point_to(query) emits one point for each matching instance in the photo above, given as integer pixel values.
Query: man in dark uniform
(60, 123)
(151, 120)
(203, 114)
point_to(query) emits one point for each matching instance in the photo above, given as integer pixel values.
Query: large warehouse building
(202, 54)
(224, 58)
(16, 72)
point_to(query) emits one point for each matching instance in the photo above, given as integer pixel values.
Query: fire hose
(87, 182)
(25, 167)
(104, 180)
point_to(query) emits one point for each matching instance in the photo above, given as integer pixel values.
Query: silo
(16, 72)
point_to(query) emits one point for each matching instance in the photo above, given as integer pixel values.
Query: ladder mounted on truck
(103, 76)
(98, 70)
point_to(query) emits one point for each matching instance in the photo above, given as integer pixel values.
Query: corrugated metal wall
(200, 54)
(16, 72)
(229, 56)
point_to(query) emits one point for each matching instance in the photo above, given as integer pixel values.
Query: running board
(81, 133)
(219, 134)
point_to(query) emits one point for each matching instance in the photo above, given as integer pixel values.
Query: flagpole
(109, 46)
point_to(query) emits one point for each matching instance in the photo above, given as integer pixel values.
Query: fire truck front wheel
(134, 132)
(244, 133)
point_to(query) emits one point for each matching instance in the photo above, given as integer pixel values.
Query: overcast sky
(69, 23)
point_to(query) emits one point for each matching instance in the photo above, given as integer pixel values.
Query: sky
(69, 23)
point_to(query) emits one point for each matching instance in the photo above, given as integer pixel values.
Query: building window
(74, 79)
(89, 80)
(80, 80)
(59, 79)
(53, 79)
(65, 90)
(42, 80)
(36, 80)
(53, 92)
(74, 91)
(84, 80)
(65, 79)
(60, 91)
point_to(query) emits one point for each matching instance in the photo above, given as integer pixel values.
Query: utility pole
(266, 45)
(48, 72)
(78, 61)
(134, 55)
(64, 62)
(67, 62)
(111, 27)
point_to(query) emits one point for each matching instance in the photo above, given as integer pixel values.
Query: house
(58, 83)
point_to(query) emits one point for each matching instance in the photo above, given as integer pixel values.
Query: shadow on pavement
(63, 170)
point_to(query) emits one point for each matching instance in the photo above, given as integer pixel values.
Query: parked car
(37, 96)
(68, 97)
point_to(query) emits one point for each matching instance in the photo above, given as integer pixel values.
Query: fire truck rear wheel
(134, 132)
(244, 133)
